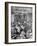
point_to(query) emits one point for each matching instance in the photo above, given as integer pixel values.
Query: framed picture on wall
(20, 22)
